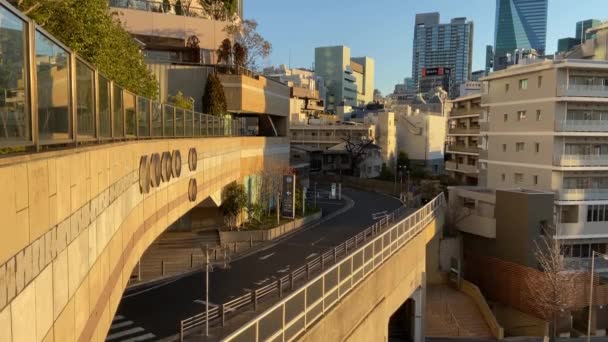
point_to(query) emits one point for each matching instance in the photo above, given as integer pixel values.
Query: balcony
(254, 94)
(583, 194)
(581, 160)
(478, 225)
(458, 167)
(317, 139)
(583, 90)
(473, 130)
(464, 112)
(463, 148)
(582, 126)
(304, 93)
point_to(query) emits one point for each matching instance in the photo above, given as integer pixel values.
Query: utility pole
(303, 201)
(206, 290)
(278, 215)
(315, 194)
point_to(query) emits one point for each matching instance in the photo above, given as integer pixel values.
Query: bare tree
(553, 290)
(357, 149)
(254, 45)
(455, 213)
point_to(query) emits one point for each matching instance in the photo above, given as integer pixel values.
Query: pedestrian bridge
(91, 175)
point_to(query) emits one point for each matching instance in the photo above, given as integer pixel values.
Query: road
(156, 313)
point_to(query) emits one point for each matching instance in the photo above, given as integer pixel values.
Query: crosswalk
(124, 330)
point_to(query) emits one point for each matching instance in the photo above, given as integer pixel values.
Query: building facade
(348, 81)
(520, 24)
(544, 126)
(583, 33)
(422, 136)
(448, 46)
(463, 138)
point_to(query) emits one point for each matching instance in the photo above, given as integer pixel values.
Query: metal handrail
(390, 239)
(114, 115)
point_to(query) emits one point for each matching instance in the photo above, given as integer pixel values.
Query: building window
(519, 147)
(538, 116)
(540, 81)
(537, 147)
(521, 115)
(504, 147)
(535, 180)
(519, 178)
(597, 213)
(506, 117)
(523, 84)
(504, 177)
(507, 87)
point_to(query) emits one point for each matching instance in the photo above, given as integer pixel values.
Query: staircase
(451, 313)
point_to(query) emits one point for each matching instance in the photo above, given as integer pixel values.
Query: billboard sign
(289, 196)
(441, 71)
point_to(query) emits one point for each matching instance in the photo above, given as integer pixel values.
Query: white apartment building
(463, 139)
(544, 126)
(422, 136)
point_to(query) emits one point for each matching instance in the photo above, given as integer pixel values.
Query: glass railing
(49, 96)
(184, 8)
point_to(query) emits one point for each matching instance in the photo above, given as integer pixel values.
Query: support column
(418, 297)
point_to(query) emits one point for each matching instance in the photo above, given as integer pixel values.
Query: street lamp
(605, 257)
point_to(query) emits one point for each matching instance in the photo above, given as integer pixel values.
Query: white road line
(284, 270)
(145, 337)
(312, 256)
(124, 333)
(118, 317)
(266, 256)
(121, 325)
(199, 301)
(314, 243)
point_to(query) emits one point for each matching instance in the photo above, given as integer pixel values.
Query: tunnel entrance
(401, 325)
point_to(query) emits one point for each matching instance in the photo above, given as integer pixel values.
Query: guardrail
(52, 96)
(340, 270)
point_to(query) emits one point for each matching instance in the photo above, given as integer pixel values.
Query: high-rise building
(520, 24)
(581, 29)
(489, 58)
(444, 49)
(348, 81)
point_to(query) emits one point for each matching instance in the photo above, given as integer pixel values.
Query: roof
(305, 148)
(341, 147)
(466, 97)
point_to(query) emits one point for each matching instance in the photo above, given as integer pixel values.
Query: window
(519, 178)
(521, 115)
(519, 147)
(507, 87)
(523, 84)
(537, 147)
(503, 176)
(540, 81)
(535, 180)
(506, 117)
(538, 116)
(504, 147)
(597, 213)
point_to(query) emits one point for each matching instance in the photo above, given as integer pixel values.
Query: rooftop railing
(185, 8)
(50, 96)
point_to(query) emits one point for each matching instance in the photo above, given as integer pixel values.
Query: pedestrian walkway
(125, 330)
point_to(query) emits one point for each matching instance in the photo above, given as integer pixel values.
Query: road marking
(118, 318)
(314, 243)
(124, 333)
(284, 270)
(312, 255)
(200, 301)
(260, 282)
(121, 325)
(145, 337)
(266, 256)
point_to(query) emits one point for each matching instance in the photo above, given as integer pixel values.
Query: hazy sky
(383, 29)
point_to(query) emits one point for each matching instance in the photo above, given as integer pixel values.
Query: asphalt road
(156, 313)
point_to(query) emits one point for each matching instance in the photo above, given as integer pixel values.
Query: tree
(357, 149)
(166, 6)
(179, 9)
(234, 200)
(181, 101)
(239, 55)
(554, 289)
(403, 160)
(214, 99)
(454, 214)
(193, 44)
(95, 34)
(255, 46)
(224, 53)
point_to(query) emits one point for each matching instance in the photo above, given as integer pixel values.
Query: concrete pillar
(418, 332)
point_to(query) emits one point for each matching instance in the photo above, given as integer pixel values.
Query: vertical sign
(333, 191)
(289, 196)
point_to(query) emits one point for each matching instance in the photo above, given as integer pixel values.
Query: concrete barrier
(230, 237)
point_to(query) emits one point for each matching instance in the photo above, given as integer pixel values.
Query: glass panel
(105, 130)
(188, 123)
(130, 116)
(204, 126)
(168, 114)
(14, 116)
(179, 122)
(157, 124)
(118, 112)
(85, 101)
(52, 71)
(143, 116)
(197, 124)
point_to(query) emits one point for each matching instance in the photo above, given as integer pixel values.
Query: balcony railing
(464, 111)
(463, 130)
(458, 167)
(463, 148)
(581, 160)
(68, 101)
(583, 194)
(582, 126)
(314, 139)
(584, 90)
(186, 8)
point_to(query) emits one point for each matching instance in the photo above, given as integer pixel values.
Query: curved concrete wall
(74, 224)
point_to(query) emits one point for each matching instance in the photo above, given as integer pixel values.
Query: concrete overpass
(93, 174)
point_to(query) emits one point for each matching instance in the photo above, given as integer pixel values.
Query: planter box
(227, 237)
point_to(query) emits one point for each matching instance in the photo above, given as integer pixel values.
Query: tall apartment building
(544, 126)
(349, 81)
(520, 24)
(442, 46)
(463, 139)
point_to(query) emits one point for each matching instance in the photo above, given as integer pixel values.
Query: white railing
(287, 319)
(594, 90)
(582, 125)
(583, 194)
(581, 160)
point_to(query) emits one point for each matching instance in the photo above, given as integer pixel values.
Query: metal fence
(339, 270)
(49, 96)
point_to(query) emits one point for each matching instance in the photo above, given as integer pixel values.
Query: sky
(384, 29)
